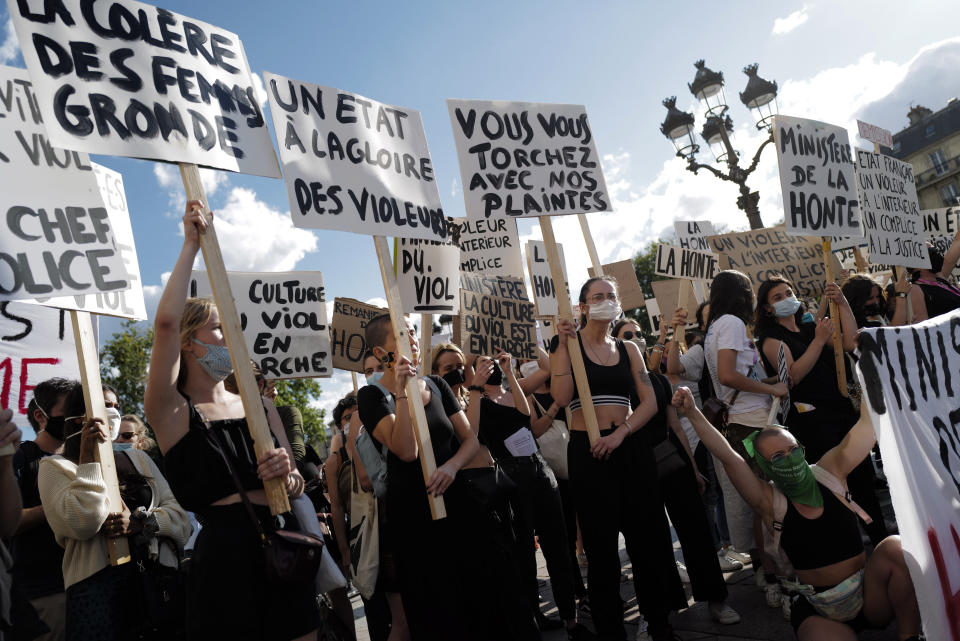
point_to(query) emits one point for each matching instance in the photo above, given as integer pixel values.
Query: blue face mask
(122, 447)
(216, 362)
(807, 318)
(374, 378)
(786, 307)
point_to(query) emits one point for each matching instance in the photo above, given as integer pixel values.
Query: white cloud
(335, 388)
(10, 46)
(259, 89)
(791, 22)
(168, 177)
(455, 188)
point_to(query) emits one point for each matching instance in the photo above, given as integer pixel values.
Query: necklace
(601, 361)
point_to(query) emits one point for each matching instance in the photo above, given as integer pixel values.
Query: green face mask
(793, 476)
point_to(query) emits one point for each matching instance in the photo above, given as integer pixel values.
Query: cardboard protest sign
(910, 388)
(489, 246)
(347, 341)
(631, 296)
(126, 78)
(498, 286)
(544, 292)
(36, 343)
(284, 320)
(891, 213)
(762, 253)
(56, 237)
(428, 274)
(526, 159)
(489, 324)
(675, 262)
(783, 375)
(840, 243)
(653, 313)
(692, 234)
(354, 164)
(671, 294)
(875, 134)
(816, 176)
(127, 303)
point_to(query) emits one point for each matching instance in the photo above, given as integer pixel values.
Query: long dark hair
(586, 288)
(858, 289)
(731, 293)
(766, 319)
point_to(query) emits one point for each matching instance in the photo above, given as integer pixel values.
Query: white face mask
(608, 310)
(113, 421)
(528, 368)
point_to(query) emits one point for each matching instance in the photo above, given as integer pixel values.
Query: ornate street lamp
(760, 96)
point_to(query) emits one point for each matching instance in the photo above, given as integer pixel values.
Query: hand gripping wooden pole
(417, 413)
(426, 343)
(573, 345)
(230, 324)
(118, 548)
(837, 324)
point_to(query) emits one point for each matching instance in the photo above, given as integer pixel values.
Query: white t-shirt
(729, 332)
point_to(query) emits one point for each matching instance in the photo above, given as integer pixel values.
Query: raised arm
(674, 365)
(561, 379)
(848, 323)
(519, 396)
(540, 423)
(854, 447)
(915, 299)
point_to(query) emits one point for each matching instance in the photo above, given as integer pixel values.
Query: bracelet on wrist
(400, 398)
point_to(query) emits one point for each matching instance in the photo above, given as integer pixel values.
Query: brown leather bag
(718, 412)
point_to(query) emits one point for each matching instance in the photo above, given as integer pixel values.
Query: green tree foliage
(299, 392)
(123, 364)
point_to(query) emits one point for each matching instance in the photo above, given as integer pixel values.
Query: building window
(930, 131)
(950, 195)
(939, 161)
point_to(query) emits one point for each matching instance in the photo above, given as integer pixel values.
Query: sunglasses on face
(628, 335)
(126, 436)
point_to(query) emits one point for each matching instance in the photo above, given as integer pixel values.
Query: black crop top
(816, 543)
(497, 422)
(609, 384)
(195, 467)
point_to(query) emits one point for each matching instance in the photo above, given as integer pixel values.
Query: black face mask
(496, 378)
(55, 427)
(455, 377)
(872, 309)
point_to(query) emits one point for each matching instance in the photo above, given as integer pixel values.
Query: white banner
(124, 78)
(891, 213)
(55, 235)
(284, 320)
(428, 275)
(128, 303)
(910, 380)
(541, 280)
(817, 179)
(674, 262)
(692, 234)
(526, 159)
(354, 164)
(36, 343)
(490, 247)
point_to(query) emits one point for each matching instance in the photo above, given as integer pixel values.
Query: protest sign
(841, 243)
(354, 164)
(782, 405)
(498, 286)
(692, 234)
(875, 134)
(816, 176)
(347, 341)
(56, 237)
(631, 296)
(911, 389)
(653, 313)
(284, 320)
(526, 159)
(124, 304)
(671, 294)
(940, 226)
(126, 78)
(540, 279)
(36, 343)
(489, 324)
(428, 276)
(891, 213)
(488, 246)
(762, 253)
(675, 262)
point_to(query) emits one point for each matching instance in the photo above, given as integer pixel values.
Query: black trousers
(618, 495)
(570, 520)
(537, 509)
(681, 496)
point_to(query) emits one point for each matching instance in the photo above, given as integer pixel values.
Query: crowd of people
(685, 441)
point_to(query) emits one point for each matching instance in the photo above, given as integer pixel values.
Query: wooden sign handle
(118, 548)
(426, 343)
(573, 345)
(591, 246)
(230, 323)
(417, 413)
(862, 266)
(356, 383)
(835, 316)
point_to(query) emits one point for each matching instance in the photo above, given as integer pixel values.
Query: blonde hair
(196, 314)
(144, 442)
(440, 350)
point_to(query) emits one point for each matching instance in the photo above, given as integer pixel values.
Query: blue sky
(834, 61)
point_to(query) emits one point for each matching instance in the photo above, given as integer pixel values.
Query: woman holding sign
(614, 480)
(202, 431)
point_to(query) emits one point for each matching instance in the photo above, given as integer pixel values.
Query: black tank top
(497, 422)
(941, 297)
(609, 384)
(816, 543)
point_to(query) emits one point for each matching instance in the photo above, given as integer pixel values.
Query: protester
(840, 589)
(134, 431)
(737, 377)
(819, 416)
(37, 558)
(456, 579)
(866, 300)
(11, 509)
(937, 295)
(201, 429)
(503, 424)
(607, 478)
